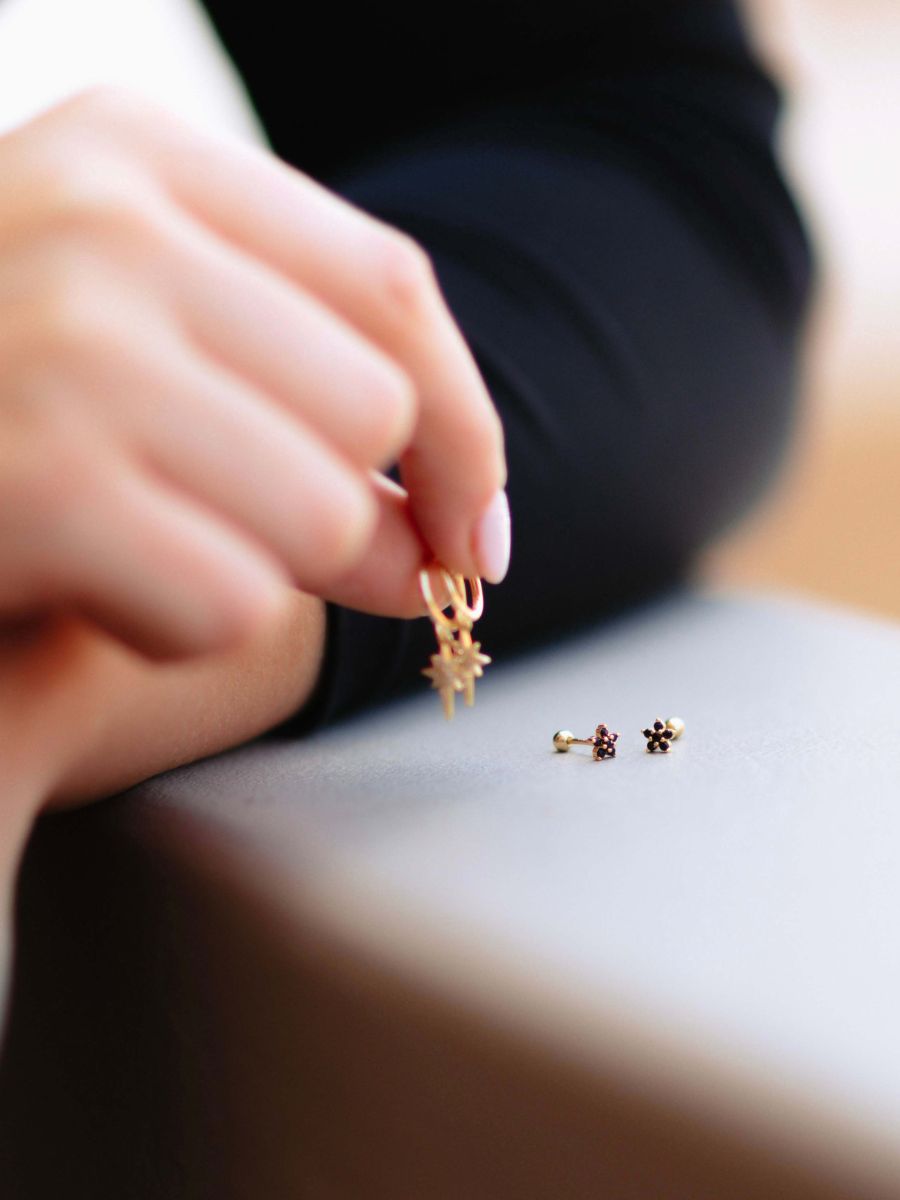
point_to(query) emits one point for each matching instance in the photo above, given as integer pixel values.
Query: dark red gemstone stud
(602, 743)
(660, 735)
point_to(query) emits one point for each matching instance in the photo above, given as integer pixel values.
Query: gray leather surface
(741, 894)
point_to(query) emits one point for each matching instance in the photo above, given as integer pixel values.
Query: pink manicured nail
(492, 539)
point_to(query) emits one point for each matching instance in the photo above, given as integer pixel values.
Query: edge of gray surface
(741, 894)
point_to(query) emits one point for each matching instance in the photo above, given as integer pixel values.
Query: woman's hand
(205, 358)
(83, 716)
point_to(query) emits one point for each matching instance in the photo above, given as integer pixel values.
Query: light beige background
(832, 527)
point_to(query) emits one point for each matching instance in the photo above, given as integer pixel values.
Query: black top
(596, 186)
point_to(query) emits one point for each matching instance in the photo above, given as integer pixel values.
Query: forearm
(130, 718)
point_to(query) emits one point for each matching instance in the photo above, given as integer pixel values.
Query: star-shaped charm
(445, 677)
(471, 663)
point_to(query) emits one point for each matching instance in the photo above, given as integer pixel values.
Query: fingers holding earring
(459, 660)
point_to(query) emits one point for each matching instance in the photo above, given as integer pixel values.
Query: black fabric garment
(595, 183)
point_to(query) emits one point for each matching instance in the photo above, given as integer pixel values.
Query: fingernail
(492, 539)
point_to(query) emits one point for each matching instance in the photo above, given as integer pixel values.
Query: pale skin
(206, 360)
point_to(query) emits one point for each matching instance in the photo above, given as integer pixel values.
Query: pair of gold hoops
(459, 660)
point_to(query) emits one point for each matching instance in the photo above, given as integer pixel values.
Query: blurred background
(831, 527)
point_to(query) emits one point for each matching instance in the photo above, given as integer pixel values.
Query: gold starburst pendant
(459, 660)
(445, 675)
(470, 663)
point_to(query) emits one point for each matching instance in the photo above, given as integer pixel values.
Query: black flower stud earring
(603, 742)
(659, 735)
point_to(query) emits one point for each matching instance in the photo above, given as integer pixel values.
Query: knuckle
(84, 187)
(103, 105)
(92, 204)
(75, 327)
(390, 415)
(70, 332)
(482, 430)
(344, 528)
(408, 282)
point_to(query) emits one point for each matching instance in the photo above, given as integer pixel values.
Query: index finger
(382, 282)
